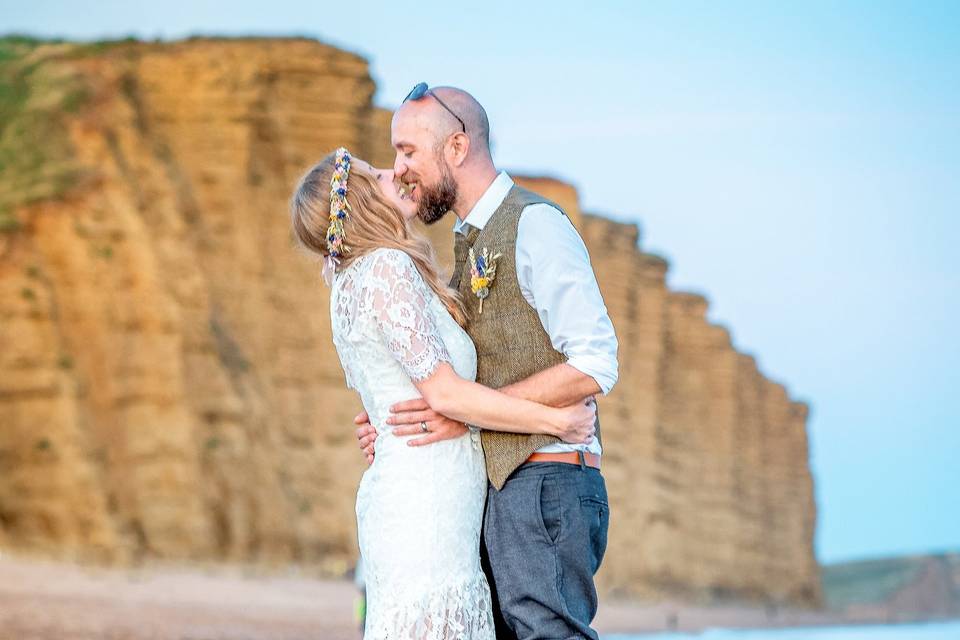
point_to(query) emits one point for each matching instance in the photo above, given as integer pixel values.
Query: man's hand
(408, 415)
(366, 434)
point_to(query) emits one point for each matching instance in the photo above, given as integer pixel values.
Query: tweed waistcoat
(510, 339)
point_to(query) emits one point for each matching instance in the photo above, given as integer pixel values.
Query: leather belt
(571, 457)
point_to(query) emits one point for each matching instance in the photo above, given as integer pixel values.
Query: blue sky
(800, 165)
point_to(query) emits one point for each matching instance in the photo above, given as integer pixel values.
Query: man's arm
(559, 386)
(557, 280)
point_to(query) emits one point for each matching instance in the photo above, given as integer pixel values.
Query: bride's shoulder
(389, 254)
(390, 263)
(392, 273)
(388, 267)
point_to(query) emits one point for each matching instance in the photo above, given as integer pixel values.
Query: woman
(398, 332)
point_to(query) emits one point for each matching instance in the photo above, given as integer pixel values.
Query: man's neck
(472, 190)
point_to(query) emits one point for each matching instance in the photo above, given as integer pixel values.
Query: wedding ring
(423, 427)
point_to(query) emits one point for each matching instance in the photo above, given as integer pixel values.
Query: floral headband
(339, 208)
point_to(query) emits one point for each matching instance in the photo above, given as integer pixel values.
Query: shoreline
(46, 599)
(629, 617)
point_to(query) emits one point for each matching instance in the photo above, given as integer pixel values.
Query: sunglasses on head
(421, 90)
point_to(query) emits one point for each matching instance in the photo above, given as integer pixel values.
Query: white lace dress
(419, 509)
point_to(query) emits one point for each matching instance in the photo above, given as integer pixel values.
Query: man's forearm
(559, 386)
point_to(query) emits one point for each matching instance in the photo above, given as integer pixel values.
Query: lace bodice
(391, 329)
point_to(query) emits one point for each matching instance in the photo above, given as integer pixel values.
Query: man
(542, 333)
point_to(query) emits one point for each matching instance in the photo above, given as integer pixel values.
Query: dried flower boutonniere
(483, 269)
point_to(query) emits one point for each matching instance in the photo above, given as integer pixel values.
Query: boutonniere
(483, 269)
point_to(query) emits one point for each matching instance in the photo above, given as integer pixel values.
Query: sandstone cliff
(168, 388)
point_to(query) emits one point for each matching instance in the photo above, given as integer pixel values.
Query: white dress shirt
(557, 280)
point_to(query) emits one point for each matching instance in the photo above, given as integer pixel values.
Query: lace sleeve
(398, 298)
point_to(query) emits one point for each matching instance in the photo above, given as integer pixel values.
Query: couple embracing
(483, 513)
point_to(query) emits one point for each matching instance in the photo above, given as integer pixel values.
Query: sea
(931, 631)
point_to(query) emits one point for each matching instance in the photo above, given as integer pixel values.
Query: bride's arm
(464, 400)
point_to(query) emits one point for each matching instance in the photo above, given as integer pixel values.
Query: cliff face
(168, 387)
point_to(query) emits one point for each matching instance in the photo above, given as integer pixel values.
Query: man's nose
(399, 168)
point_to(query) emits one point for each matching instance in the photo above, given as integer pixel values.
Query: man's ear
(459, 147)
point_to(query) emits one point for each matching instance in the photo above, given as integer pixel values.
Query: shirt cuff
(601, 369)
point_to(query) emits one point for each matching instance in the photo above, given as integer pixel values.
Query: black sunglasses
(421, 90)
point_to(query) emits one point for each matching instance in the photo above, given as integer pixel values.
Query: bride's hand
(578, 422)
(408, 415)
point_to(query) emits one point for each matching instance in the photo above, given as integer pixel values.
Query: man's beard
(437, 200)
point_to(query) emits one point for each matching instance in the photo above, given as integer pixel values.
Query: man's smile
(406, 190)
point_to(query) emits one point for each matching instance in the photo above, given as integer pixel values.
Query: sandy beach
(53, 601)
(44, 600)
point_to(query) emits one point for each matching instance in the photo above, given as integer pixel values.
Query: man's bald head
(470, 111)
(429, 114)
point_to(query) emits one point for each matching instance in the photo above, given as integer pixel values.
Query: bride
(398, 332)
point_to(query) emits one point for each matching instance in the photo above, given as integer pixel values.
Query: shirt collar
(488, 203)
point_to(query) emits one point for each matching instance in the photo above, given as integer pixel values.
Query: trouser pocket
(551, 513)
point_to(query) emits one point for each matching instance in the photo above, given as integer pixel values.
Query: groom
(542, 333)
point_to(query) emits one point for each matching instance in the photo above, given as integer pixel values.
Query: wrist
(556, 423)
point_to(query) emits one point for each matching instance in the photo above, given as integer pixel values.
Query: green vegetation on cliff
(39, 90)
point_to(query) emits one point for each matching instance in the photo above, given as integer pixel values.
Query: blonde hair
(373, 223)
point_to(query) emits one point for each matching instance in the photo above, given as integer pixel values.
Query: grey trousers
(544, 536)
